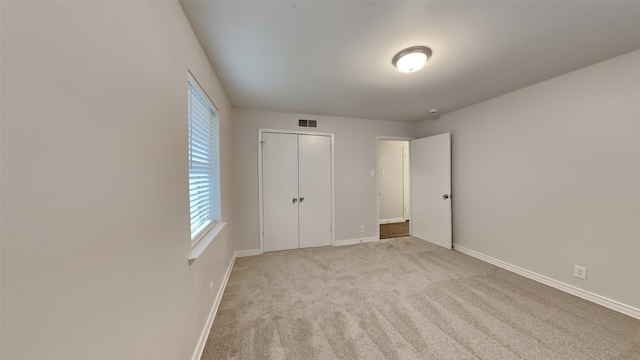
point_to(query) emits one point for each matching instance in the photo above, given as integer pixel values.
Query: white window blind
(204, 169)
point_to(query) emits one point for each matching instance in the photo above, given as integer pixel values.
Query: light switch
(373, 173)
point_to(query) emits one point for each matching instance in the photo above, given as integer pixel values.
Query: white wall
(549, 176)
(355, 157)
(95, 216)
(391, 178)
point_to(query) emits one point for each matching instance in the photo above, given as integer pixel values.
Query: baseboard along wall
(356, 241)
(390, 221)
(595, 298)
(216, 303)
(244, 253)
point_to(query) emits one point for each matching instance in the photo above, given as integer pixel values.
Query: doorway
(428, 193)
(394, 195)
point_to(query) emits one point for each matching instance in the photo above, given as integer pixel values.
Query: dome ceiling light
(411, 59)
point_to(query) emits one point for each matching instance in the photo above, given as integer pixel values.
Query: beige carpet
(405, 299)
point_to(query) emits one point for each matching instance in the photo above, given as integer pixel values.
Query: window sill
(197, 250)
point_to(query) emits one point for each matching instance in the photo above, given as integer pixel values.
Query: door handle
(295, 200)
(301, 199)
(445, 196)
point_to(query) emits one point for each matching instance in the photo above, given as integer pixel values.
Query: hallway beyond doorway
(394, 230)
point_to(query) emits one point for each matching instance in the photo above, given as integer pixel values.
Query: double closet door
(296, 191)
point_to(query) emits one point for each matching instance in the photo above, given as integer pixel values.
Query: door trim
(397, 138)
(260, 206)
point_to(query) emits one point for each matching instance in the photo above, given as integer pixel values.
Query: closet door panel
(314, 190)
(280, 191)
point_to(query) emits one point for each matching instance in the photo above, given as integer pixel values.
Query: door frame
(397, 138)
(260, 206)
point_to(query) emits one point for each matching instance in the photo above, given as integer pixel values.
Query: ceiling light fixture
(411, 59)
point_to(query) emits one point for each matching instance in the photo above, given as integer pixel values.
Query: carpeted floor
(405, 299)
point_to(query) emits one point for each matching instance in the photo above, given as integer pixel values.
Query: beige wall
(391, 178)
(95, 216)
(355, 157)
(549, 176)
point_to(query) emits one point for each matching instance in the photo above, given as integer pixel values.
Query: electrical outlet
(361, 228)
(580, 272)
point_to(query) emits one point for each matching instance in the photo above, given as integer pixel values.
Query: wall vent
(307, 123)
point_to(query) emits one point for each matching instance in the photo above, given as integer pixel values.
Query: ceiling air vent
(307, 123)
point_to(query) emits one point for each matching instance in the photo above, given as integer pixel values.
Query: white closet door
(314, 190)
(280, 191)
(431, 189)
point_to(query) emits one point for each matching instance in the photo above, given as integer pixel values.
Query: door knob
(445, 196)
(301, 199)
(295, 200)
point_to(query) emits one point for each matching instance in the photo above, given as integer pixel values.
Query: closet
(296, 190)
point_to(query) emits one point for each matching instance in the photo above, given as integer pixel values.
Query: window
(204, 164)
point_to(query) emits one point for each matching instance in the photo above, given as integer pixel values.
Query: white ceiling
(334, 58)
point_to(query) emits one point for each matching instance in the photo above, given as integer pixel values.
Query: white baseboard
(355, 241)
(595, 298)
(389, 221)
(244, 253)
(214, 309)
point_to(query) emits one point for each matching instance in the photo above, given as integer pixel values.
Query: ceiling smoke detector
(411, 59)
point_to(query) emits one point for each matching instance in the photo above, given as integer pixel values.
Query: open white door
(431, 189)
